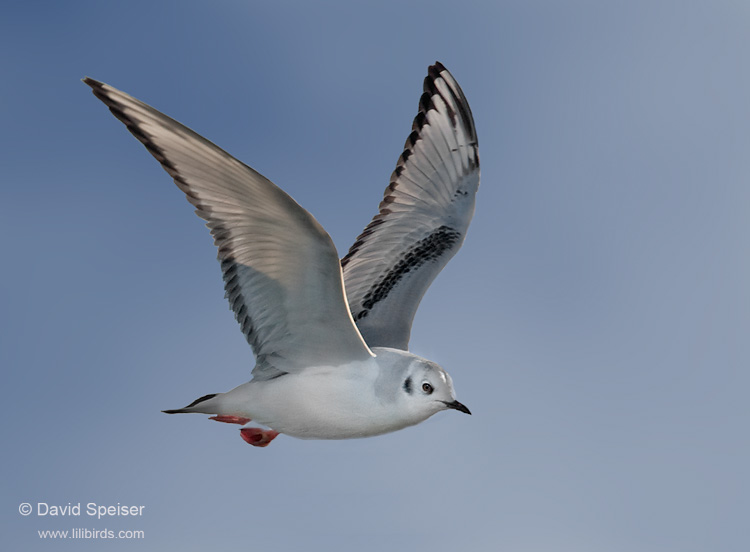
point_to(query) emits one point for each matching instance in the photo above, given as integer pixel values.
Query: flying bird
(330, 336)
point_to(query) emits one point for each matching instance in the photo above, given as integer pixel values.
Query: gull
(330, 337)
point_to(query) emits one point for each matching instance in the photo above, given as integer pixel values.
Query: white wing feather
(281, 270)
(422, 220)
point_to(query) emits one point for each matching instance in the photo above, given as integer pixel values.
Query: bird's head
(427, 388)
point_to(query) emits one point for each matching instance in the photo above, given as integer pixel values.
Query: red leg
(231, 419)
(258, 437)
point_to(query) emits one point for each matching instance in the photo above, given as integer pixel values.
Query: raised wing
(281, 270)
(422, 219)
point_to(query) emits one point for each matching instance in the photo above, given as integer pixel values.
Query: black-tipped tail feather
(188, 408)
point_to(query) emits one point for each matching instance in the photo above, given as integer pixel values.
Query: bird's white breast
(339, 402)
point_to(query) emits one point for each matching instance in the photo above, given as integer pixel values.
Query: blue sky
(596, 320)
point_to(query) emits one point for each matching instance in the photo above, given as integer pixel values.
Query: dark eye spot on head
(407, 385)
(427, 388)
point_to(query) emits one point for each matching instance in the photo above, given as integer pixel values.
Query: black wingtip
(93, 83)
(178, 411)
(433, 71)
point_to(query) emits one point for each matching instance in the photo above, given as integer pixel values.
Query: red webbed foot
(231, 419)
(258, 437)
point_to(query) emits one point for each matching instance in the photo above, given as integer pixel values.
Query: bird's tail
(207, 404)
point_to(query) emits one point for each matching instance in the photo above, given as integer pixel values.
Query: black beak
(455, 405)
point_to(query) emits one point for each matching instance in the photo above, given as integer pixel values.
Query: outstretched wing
(281, 270)
(423, 217)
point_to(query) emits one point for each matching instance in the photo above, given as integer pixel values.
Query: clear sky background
(596, 321)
